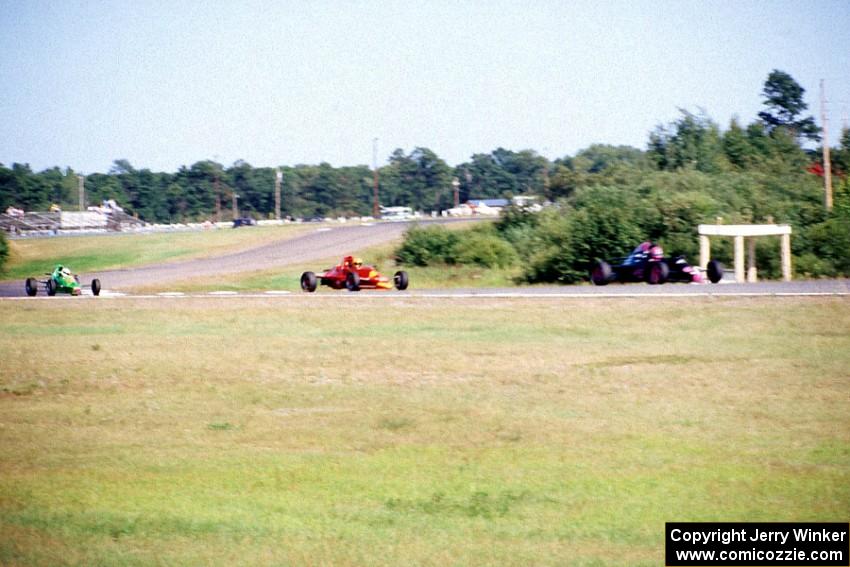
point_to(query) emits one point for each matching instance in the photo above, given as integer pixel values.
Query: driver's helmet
(64, 272)
(356, 262)
(656, 252)
(641, 249)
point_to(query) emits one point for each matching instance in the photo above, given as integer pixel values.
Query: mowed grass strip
(33, 257)
(412, 431)
(382, 257)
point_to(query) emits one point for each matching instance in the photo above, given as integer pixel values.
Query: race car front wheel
(658, 273)
(31, 286)
(51, 287)
(308, 282)
(400, 280)
(95, 286)
(715, 271)
(352, 281)
(601, 273)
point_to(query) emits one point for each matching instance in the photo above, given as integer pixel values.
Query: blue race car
(647, 263)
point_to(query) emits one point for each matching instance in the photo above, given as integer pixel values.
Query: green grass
(353, 431)
(288, 278)
(36, 256)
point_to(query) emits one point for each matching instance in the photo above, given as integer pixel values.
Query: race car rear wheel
(95, 286)
(601, 273)
(51, 287)
(31, 286)
(308, 282)
(715, 271)
(658, 273)
(352, 281)
(400, 280)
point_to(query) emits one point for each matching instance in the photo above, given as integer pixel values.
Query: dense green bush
(603, 223)
(425, 246)
(827, 243)
(831, 244)
(4, 251)
(479, 246)
(551, 258)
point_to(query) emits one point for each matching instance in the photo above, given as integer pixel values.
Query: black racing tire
(51, 287)
(400, 280)
(309, 282)
(95, 287)
(352, 281)
(601, 273)
(657, 273)
(31, 286)
(714, 271)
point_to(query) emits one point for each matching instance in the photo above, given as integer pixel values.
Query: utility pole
(827, 166)
(456, 187)
(217, 198)
(376, 208)
(81, 186)
(278, 177)
(235, 208)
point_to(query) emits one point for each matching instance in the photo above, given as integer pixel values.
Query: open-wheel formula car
(352, 275)
(60, 280)
(647, 263)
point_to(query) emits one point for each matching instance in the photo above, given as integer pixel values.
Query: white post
(786, 257)
(704, 251)
(739, 259)
(751, 260)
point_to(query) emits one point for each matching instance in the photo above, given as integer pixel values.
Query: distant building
(396, 213)
(492, 207)
(492, 203)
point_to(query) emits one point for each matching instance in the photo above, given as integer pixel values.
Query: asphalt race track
(768, 288)
(808, 288)
(340, 240)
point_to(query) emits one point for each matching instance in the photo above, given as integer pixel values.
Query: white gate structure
(749, 232)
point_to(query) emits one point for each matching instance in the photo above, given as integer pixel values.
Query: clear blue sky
(165, 84)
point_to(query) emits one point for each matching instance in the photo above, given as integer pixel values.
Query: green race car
(60, 280)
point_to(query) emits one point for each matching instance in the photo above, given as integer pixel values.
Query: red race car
(354, 276)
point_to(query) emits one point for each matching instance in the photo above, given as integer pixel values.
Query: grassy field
(92, 253)
(352, 430)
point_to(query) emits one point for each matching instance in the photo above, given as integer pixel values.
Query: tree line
(419, 179)
(771, 145)
(691, 171)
